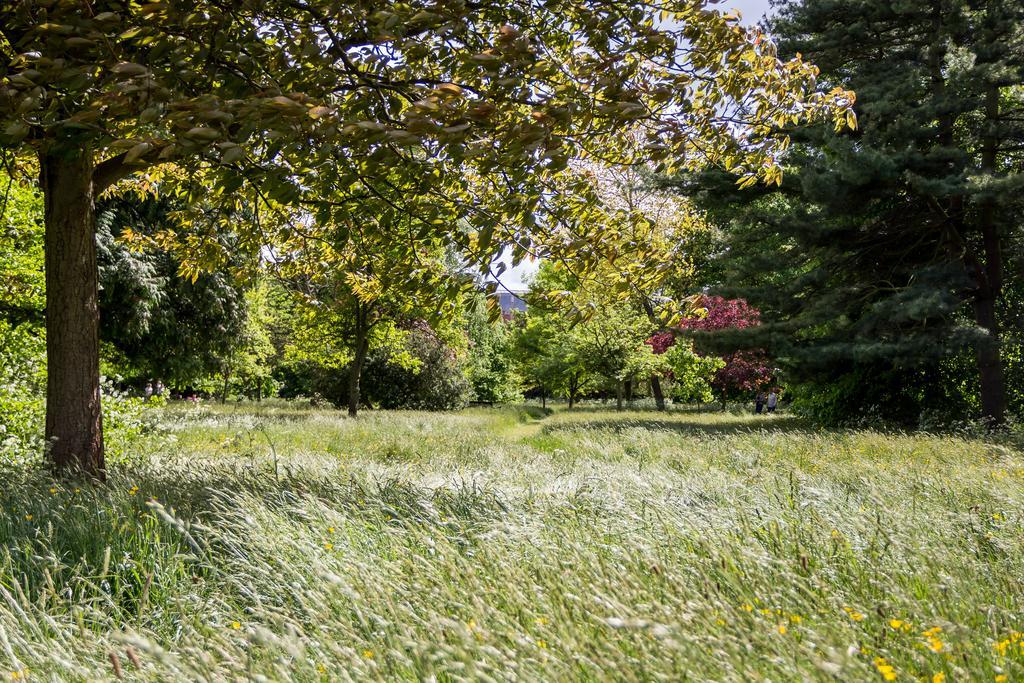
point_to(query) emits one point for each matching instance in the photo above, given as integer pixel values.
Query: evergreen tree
(161, 325)
(883, 255)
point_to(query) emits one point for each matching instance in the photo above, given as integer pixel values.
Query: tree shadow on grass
(154, 533)
(691, 427)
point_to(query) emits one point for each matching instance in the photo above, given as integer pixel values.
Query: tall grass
(291, 544)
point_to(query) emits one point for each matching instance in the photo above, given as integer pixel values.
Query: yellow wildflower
(368, 654)
(884, 668)
(28, 518)
(1001, 678)
(53, 490)
(329, 546)
(133, 490)
(542, 644)
(853, 614)
(935, 645)
(540, 621)
(330, 529)
(782, 629)
(236, 625)
(720, 621)
(895, 623)
(939, 678)
(747, 607)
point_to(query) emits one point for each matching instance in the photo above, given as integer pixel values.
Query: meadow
(281, 542)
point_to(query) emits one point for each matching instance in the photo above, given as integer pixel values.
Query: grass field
(506, 544)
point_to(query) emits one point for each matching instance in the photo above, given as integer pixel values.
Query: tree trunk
(990, 367)
(618, 396)
(543, 398)
(355, 371)
(74, 419)
(659, 395)
(990, 280)
(224, 389)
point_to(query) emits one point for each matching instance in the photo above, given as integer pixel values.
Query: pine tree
(885, 251)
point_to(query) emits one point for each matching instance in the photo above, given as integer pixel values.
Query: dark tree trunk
(990, 368)
(659, 395)
(618, 396)
(990, 280)
(355, 372)
(74, 420)
(224, 388)
(543, 398)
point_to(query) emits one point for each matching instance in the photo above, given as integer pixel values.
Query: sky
(517, 278)
(751, 10)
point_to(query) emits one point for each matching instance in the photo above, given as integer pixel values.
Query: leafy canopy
(443, 111)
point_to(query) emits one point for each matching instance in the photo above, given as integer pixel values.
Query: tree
(717, 329)
(887, 253)
(491, 366)
(163, 326)
(693, 375)
(476, 106)
(355, 285)
(664, 240)
(548, 358)
(424, 372)
(586, 334)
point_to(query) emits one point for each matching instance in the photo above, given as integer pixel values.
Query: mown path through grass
(505, 544)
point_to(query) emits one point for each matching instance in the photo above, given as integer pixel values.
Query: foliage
(435, 379)
(380, 84)
(600, 339)
(22, 379)
(888, 255)
(490, 358)
(22, 350)
(717, 332)
(23, 286)
(548, 358)
(354, 285)
(694, 376)
(159, 324)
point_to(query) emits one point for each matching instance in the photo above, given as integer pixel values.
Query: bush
(434, 381)
(22, 388)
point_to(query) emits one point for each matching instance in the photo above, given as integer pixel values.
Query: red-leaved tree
(744, 371)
